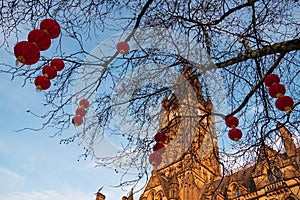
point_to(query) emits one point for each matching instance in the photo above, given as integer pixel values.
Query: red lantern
(235, 134)
(123, 47)
(49, 72)
(160, 137)
(80, 112)
(57, 63)
(155, 159)
(271, 79)
(159, 148)
(77, 120)
(26, 53)
(42, 83)
(284, 103)
(40, 39)
(232, 122)
(276, 90)
(84, 103)
(51, 27)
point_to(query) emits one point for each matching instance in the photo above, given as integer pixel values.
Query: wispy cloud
(62, 195)
(48, 195)
(10, 180)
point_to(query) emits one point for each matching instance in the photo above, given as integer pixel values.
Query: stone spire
(100, 196)
(287, 139)
(130, 196)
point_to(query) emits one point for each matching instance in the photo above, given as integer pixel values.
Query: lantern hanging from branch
(77, 120)
(271, 79)
(159, 148)
(84, 103)
(123, 47)
(284, 103)
(160, 137)
(40, 39)
(49, 72)
(276, 90)
(42, 83)
(235, 134)
(51, 27)
(232, 122)
(80, 112)
(26, 53)
(155, 159)
(57, 63)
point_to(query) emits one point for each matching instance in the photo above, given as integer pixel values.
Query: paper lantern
(77, 120)
(42, 83)
(276, 90)
(284, 103)
(235, 134)
(51, 27)
(160, 137)
(232, 122)
(80, 112)
(123, 47)
(26, 53)
(155, 159)
(40, 39)
(84, 103)
(271, 79)
(57, 63)
(159, 148)
(49, 72)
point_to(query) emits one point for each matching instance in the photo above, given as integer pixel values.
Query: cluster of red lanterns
(277, 90)
(123, 47)
(234, 134)
(80, 112)
(49, 72)
(28, 52)
(159, 148)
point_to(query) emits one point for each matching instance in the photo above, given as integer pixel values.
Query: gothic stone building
(184, 175)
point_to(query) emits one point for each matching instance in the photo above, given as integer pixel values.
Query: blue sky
(35, 166)
(32, 164)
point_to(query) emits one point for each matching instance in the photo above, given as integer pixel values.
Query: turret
(174, 188)
(100, 196)
(289, 145)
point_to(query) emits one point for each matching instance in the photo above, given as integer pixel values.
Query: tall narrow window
(277, 173)
(271, 177)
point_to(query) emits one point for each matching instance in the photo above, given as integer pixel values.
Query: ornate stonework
(194, 173)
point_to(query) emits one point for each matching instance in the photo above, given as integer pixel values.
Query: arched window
(150, 196)
(235, 190)
(159, 196)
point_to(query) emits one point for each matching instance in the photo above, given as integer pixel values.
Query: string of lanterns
(28, 52)
(158, 149)
(277, 90)
(80, 112)
(77, 120)
(234, 134)
(49, 72)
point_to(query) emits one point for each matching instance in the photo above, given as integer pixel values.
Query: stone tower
(191, 158)
(190, 168)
